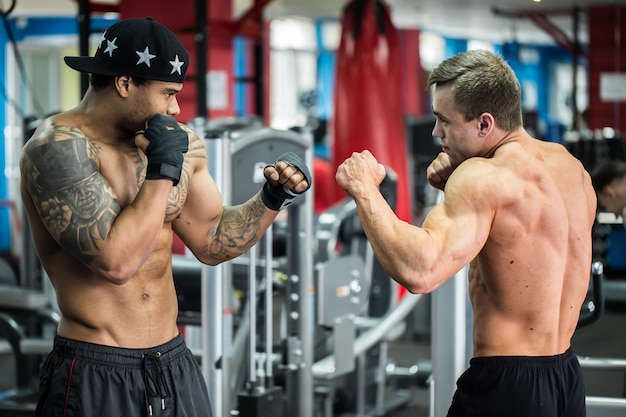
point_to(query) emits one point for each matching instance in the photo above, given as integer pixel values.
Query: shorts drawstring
(147, 375)
(154, 379)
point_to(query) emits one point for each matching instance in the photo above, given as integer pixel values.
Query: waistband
(562, 358)
(109, 355)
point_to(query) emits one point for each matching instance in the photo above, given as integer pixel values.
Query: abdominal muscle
(138, 314)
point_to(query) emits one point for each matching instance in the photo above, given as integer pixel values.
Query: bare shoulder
(571, 175)
(473, 168)
(195, 158)
(51, 132)
(565, 167)
(60, 174)
(563, 156)
(197, 149)
(56, 153)
(479, 177)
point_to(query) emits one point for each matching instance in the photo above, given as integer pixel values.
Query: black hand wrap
(280, 197)
(168, 143)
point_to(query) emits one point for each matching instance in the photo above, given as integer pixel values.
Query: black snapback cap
(141, 47)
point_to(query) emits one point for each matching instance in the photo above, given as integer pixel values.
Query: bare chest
(125, 171)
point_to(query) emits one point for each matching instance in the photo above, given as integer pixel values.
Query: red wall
(180, 17)
(607, 54)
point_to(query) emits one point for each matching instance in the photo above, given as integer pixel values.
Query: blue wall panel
(5, 230)
(27, 27)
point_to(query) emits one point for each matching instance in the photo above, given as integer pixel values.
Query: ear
(486, 124)
(122, 84)
(609, 191)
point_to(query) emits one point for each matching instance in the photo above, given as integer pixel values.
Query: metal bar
(202, 59)
(575, 59)
(269, 308)
(361, 376)
(301, 316)
(449, 338)
(84, 28)
(216, 309)
(325, 367)
(605, 406)
(381, 378)
(606, 401)
(259, 78)
(252, 317)
(602, 363)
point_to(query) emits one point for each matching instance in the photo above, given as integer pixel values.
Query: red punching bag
(368, 111)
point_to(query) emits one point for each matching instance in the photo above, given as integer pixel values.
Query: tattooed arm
(81, 211)
(212, 232)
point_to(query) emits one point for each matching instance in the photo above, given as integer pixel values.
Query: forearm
(135, 232)
(238, 229)
(215, 233)
(132, 235)
(407, 253)
(419, 258)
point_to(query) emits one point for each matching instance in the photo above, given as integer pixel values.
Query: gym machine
(593, 149)
(357, 317)
(326, 294)
(25, 320)
(238, 152)
(593, 309)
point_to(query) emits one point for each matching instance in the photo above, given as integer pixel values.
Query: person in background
(105, 186)
(519, 211)
(609, 182)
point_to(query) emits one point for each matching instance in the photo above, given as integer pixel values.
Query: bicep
(75, 203)
(203, 205)
(461, 223)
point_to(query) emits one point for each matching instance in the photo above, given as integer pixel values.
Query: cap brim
(88, 64)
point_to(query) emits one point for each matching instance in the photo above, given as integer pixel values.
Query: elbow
(118, 274)
(208, 259)
(116, 278)
(212, 261)
(425, 283)
(418, 288)
(415, 282)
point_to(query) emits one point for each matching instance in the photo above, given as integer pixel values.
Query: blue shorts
(82, 379)
(521, 386)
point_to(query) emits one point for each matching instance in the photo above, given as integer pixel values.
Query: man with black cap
(105, 185)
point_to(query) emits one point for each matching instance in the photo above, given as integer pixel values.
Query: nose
(173, 109)
(437, 131)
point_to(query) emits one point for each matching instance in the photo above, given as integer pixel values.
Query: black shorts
(82, 379)
(512, 386)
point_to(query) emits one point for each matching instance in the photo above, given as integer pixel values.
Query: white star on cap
(176, 65)
(111, 46)
(144, 57)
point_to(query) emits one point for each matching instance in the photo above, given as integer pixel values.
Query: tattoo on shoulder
(195, 153)
(196, 146)
(74, 201)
